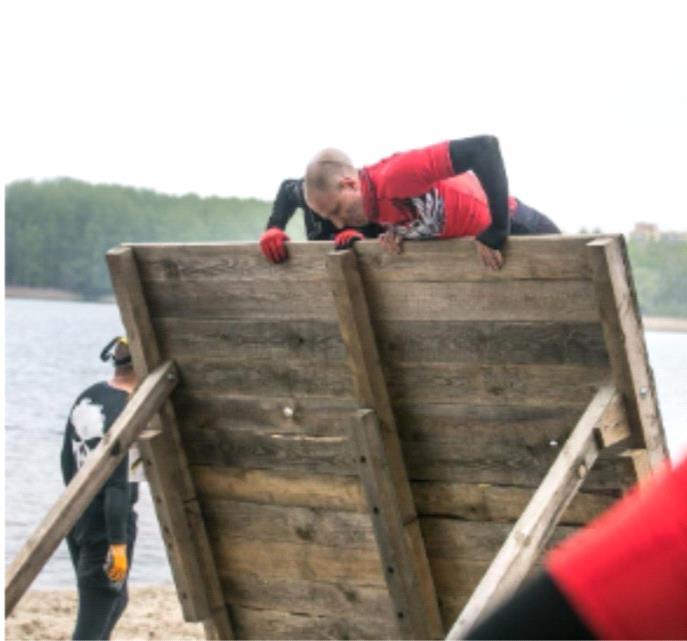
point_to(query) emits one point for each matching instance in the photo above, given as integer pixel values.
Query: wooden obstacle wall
(477, 379)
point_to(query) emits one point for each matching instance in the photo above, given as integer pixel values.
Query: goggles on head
(108, 353)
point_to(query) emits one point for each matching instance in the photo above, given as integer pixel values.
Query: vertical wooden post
(174, 496)
(383, 472)
(627, 351)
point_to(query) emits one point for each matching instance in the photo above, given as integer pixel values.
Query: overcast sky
(227, 98)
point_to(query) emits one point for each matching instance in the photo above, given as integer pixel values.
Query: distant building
(645, 231)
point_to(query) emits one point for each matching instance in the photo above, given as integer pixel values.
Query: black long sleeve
(117, 503)
(482, 155)
(289, 198)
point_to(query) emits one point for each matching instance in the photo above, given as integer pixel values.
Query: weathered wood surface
(426, 383)
(380, 459)
(466, 501)
(267, 624)
(624, 336)
(359, 602)
(166, 468)
(483, 376)
(447, 261)
(526, 540)
(319, 343)
(455, 461)
(498, 301)
(114, 446)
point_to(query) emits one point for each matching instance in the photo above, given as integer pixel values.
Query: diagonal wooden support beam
(605, 415)
(624, 337)
(145, 402)
(174, 496)
(386, 483)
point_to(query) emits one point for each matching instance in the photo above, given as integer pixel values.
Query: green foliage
(660, 274)
(57, 232)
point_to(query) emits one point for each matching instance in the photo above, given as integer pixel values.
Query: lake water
(52, 351)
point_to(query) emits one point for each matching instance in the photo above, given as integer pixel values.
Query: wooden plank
(564, 301)
(294, 487)
(114, 446)
(346, 600)
(447, 260)
(386, 489)
(260, 522)
(499, 504)
(295, 560)
(624, 336)
(469, 383)
(270, 624)
(498, 301)
(481, 342)
(530, 533)
(166, 467)
(468, 501)
(489, 384)
(524, 464)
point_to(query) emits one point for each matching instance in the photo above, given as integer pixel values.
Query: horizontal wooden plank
(570, 301)
(447, 260)
(272, 624)
(443, 536)
(344, 529)
(426, 460)
(515, 424)
(432, 383)
(268, 414)
(271, 377)
(552, 301)
(309, 597)
(399, 342)
(252, 450)
(432, 462)
(278, 487)
(531, 257)
(484, 502)
(469, 501)
(300, 561)
(488, 384)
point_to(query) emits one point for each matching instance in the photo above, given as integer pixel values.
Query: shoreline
(651, 323)
(153, 613)
(49, 293)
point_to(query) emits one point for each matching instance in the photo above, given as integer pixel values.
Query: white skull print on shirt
(88, 419)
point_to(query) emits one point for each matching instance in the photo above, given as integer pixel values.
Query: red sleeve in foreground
(626, 573)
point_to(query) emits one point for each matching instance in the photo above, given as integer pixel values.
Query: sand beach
(153, 613)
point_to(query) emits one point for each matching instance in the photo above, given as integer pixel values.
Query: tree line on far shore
(57, 233)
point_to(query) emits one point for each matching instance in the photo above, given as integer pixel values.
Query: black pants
(529, 221)
(101, 602)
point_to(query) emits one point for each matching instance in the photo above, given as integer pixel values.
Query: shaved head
(325, 169)
(332, 189)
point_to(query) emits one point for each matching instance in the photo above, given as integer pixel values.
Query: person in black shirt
(289, 198)
(102, 540)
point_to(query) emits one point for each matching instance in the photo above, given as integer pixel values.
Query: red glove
(347, 238)
(272, 245)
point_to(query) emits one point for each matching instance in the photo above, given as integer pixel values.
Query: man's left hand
(491, 258)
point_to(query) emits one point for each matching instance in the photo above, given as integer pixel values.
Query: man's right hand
(272, 245)
(491, 258)
(117, 564)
